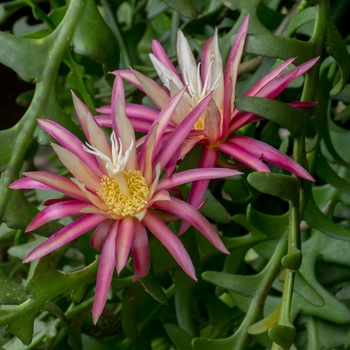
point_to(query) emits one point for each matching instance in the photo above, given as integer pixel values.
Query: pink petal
(78, 168)
(302, 104)
(180, 133)
(105, 273)
(187, 212)
(140, 251)
(159, 53)
(56, 211)
(57, 183)
(154, 91)
(269, 77)
(240, 153)
(123, 241)
(271, 155)
(195, 175)
(64, 236)
(70, 142)
(99, 236)
(212, 123)
(140, 111)
(129, 76)
(170, 242)
(93, 132)
(27, 183)
(198, 188)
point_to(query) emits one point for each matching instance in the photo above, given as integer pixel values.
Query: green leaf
(244, 285)
(11, 293)
(276, 111)
(315, 218)
(20, 318)
(180, 338)
(273, 226)
(278, 185)
(184, 7)
(152, 286)
(266, 323)
(214, 210)
(327, 174)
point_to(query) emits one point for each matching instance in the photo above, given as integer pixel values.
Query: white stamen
(116, 165)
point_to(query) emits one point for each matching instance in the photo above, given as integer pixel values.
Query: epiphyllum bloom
(217, 125)
(113, 189)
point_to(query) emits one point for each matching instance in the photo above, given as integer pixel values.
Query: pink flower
(117, 190)
(217, 126)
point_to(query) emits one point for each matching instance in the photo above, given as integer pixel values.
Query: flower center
(199, 124)
(117, 202)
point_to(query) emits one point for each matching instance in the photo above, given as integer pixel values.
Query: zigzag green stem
(270, 272)
(42, 94)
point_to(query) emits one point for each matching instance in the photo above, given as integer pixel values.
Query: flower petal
(64, 236)
(140, 251)
(56, 211)
(161, 55)
(69, 142)
(271, 155)
(27, 183)
(195, 175)
(180, 133)
(77, 167)
(170, 242)
(185, 211)
(105, 272)
(99, 236)
(240, 153)
(123, 241)
(57, 183)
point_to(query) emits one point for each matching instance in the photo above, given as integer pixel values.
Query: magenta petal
(271, 155)
(198, 188)
(56, 211)
(57, 183)
(180, 133)
(240, 153)
(27, 183)
(105, 272)
(302, 104)
(195, 175)
(99, 236)
(65, 235)
(123, 241)
(187, 212)
(161, 55)
(129, 76)
(70, 142)
(170, 242)
(139, 111)
(140, 251)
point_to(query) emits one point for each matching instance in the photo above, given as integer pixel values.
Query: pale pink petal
(64, 236)
(180, 133)
(185, 211)
(129, 76)
(271, 155)
(27, 183)
(99, 236)
(240, 153)
(161, 195)
(170, 242)
(56, 211)
(121, 124)
(139, 111)
(123, 242)
(140, 251)
(77, 167)
(57, 183)
(186, 60)
(188, 176)
(154, 91)
(93, 132)
(70, 142)
(159, 52)
(105, 273)
(212, 123)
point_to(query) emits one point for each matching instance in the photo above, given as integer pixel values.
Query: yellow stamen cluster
(122, 205)
(199, 125)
